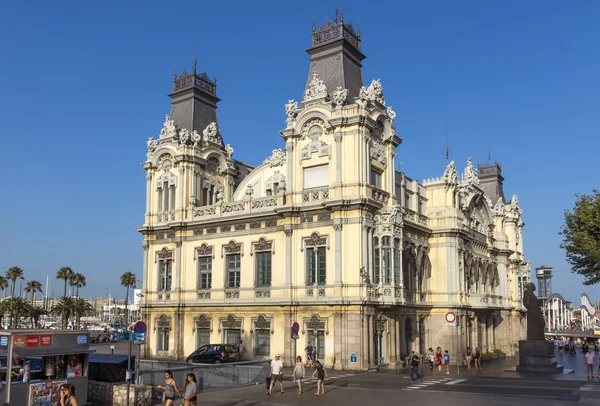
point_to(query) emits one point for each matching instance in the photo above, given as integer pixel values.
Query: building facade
(325, 232)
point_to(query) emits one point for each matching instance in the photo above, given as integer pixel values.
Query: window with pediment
(233, 261)
(165, 269)
(163, 331)
(204, 260)
(316, 259)
(263, 252)
(262, 336)
(165, 187)
(203, 327)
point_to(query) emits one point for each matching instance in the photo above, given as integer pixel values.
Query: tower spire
(447, 151)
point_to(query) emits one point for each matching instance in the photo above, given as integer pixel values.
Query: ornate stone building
(324, 232)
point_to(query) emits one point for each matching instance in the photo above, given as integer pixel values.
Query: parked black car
(214, 354)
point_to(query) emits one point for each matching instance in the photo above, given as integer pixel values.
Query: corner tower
(194, 100)
(335, 57)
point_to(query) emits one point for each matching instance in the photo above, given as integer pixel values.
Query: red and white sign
(450, 317)
(33, 341)
(19, 341)
(46, 341)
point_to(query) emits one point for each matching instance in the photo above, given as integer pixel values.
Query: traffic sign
(353, 358)
(138, 338)
(295, 328)
(450, 317)
(139, 327)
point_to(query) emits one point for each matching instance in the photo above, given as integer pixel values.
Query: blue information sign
(353, 358)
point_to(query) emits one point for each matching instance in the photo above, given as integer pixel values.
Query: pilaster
(338, 161)
(337, 226)
(288, 254)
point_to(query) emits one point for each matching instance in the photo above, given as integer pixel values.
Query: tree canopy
(581, 237)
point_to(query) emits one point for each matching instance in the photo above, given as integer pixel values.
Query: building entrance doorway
(408, 335)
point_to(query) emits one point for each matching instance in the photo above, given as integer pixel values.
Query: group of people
(170, 389)
(299, 373)
(438, 358)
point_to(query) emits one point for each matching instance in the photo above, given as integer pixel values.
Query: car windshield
(231, 349)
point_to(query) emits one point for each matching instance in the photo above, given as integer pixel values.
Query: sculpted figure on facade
(470, 173)
(211, 134)
(152, 144)
(291, 108)
(168, 129)
(196, 138)
(499, 207)
(372, 93)
(277, 158)
(316, 89)
(514, 206)
(229, 150)
(184, 136)
(378, 153)
(390, 113)
(535, 318)
(339, 96)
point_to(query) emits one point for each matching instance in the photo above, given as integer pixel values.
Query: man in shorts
(276, 373)
(589, 362)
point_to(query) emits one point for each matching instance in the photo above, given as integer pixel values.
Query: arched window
(376, 261)
(386, 259)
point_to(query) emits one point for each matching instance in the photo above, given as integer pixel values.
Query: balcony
(266, 204)
(315, 195)
(379, 195)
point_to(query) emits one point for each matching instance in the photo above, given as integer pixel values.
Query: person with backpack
(415, 360)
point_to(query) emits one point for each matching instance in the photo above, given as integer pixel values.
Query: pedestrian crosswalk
(433, 381)
(328, 379)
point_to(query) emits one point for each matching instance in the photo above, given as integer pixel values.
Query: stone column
(369, 339)
(145, 281)
(148, 193)
(397, 338)
(177, 281)
(364, 325)
(181, 187)
(338, 333)
(338, 161)
(289, 147)
(288, 254)
(392, 172)
(366, 158)
(337, 226)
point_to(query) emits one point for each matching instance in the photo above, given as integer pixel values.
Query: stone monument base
(537, 356)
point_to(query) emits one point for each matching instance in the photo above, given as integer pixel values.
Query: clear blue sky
(84, 84)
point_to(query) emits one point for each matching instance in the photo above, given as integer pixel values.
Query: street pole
(137, 366)
(9, 365)
(457, 346)
(129, 368)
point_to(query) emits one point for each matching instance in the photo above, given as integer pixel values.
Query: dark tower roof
(490, 180)
(194, 100)
(336, 58)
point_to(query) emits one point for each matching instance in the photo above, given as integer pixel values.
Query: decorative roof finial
(336, 14)
(194, 64)
(314, 26)
(174, 72)
(341, 14)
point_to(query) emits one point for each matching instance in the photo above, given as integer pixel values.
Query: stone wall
(116, 394)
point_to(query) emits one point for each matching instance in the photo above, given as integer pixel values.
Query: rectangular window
(163, 338)
(204, 272)
(172, 202)
(420, 210)
(263, 343)
(275, 188)
(316, 266)
(263, 268)
(397, 260)
(386, 262)
(375, 178)
(165, 274)
(316, 176)
(203, 337)
(160, 200)
(407, 200)
(165, 188)
(233, 271)
(376, 266)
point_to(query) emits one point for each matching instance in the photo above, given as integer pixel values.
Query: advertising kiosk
(35, 363)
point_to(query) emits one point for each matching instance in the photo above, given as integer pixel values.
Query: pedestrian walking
(310, 356)
(447, 362)
(321, 374)
(468, 356)
(241, 349)
(276, 373)
(170, 387)
(438, 359)
(477, 358)
(415, 360)
(589, 362)
(299, 373)
(191, 388)
(430, 358)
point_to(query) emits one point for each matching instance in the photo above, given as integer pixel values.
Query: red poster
(19, 341)
(46, 341)
(33, 341)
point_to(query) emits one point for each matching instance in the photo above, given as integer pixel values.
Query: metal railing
(208, 376)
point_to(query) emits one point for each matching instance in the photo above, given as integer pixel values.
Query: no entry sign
(450, 317)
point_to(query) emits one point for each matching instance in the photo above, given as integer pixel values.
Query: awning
(42, 352)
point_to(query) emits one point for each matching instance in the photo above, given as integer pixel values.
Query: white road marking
(454, 382)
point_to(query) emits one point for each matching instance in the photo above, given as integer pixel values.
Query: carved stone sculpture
(316, 89)
(339, 96)
(276, 159)
(372, 93)
(211, 133)
(168, 129)
(196, 137)
(451, 175)
(291, 108)
(229, 150)
(184, 136)
(390, 113)
(499, 207)
(470, 173)
(152, 144)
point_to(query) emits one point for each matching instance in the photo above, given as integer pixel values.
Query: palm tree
(81, 309)
(32, 287)
(128, 280)
(77, 280)
(64, 308)
(15, 307)
(35, 312)
(64, 273)
(14, 273)
(4, 285)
